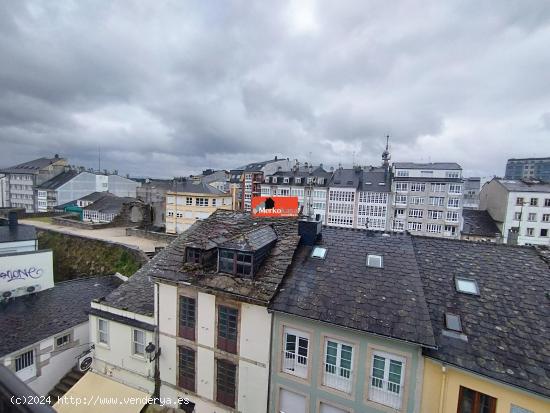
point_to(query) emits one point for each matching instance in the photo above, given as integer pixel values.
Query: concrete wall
(443, 385)
(52, 363)
(18, 246)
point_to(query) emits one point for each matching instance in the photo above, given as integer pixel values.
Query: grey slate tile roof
(514, 185)
(342, 290)
(376, 180)
(94, 196)
(431, 165)
(346, 178)
(30, 167)
(251, 240)
(507, 325)
(196, 187)
(110, 204)
(58, 180)
(478, 222)
(29, 319)
(136, 294)
(20, 233)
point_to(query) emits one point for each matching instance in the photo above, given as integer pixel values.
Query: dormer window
(285, 180)
(193, 255)
(298, 180)
(235, 262)
(320, 181)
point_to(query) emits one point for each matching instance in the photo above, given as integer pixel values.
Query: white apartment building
(308, 183)
(4, 191)
(359, 198)
(253, 176)
(428, 198)
(521, 209)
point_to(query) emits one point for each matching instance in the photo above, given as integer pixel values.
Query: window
(438, 187)
(374, 261)
(434, 228)
(24, 365)
(414, 226)
(452, 322)
(453, 202)
(403, 173)
(545, 217)
(186, 368)
(227, 329)
(103, 331)
(187, 317)
(295, 357)
(530, 232)
(466, 285)
(432, 214)
(138, 342)
(401, 199)
(202, 202)
(547, 202)
(437, 200)
(450, 230)
(532, 216)
(519, 201)
(470, 401)
(416, 213)
(63, 340)
(328, 408)
(401, 186)
(418, 187)
(338, 365)
(285, 180)
(319, 252)
(517, 216)
(417, 200)
(386, 380)
(517, 409)
(290, 402)
(170, 213)
(453, 174)
(188, 200)
(225, 382)
(297, 180)
(543, 232)
(455, 189)
(399, 212)
(213, 201)
(534, 202)
(193, 255)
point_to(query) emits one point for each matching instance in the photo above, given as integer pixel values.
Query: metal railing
(337, 377)
(385, 392)
(295, 364)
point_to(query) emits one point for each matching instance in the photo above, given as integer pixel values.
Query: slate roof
(20, 233)
(257, 166)
(30, 167)
(516, 185)
(342, 290)
(196, 187)
(109, 204)
(252, 240)
(375, 180)
(136, 294)
(478, 222)
(507, 325)
(58, 180)
(346, 178)
(94, 196)
(304, 172)
(431, 165)
(29, 319)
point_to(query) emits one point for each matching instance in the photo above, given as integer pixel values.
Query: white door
(290, 402)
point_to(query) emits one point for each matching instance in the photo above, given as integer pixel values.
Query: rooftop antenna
(386, 154)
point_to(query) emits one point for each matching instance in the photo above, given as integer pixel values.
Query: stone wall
(75, 256)
(152, 235)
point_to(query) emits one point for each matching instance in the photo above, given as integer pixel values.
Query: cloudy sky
(171, 87)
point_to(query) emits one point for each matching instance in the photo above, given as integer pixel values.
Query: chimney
(309, 230)
(12, 220)
(275, 157)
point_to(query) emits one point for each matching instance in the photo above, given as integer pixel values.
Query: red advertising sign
(275, 206)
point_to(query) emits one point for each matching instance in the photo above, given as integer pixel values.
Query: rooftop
(31, 167)
(430, 165)
(478, 222)
(32, 318)
(94, 196)
(341, 288)
(109, 204)
(346, 178)
(375, 180)
(507, 325)
(19, 233)
(196, 187)
(516, 185)
(257, 166)
(58, 180)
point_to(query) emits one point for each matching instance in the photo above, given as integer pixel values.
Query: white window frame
(64, 343)
(136, 343)
(101, 331)
(293, 362)
(28, 359)
(337, 380)
(382, 390)
(375, 257)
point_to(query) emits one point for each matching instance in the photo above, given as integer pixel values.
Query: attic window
(193, 255)
(466, 285)
(298, 180)
(319, 252)
(235, 262)
(374, 261)
(452, 322)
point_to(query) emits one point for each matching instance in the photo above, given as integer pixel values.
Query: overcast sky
(172, 87)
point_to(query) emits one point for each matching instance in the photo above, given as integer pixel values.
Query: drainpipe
(443, 389)
(157, 342)
(270, 361)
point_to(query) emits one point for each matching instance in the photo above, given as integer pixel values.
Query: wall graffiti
(21, 274)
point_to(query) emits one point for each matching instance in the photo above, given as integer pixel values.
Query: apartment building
(192, 201)
(528, 168)
(472, 187)
(4, 191)
(153, 192)
(359, 198)
(23, 178)
(253, 177)
(428, 198)
(308, 183)
(520, 208)
(344, 341)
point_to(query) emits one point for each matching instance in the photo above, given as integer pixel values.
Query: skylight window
(374, 261)
(319, 252)
(452, 322)
(466, 285)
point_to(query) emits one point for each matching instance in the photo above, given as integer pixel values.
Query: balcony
(338, 378)
(295, 364)
(386, 392)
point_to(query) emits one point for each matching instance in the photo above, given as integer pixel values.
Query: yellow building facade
(442, 392)
(185, 208)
